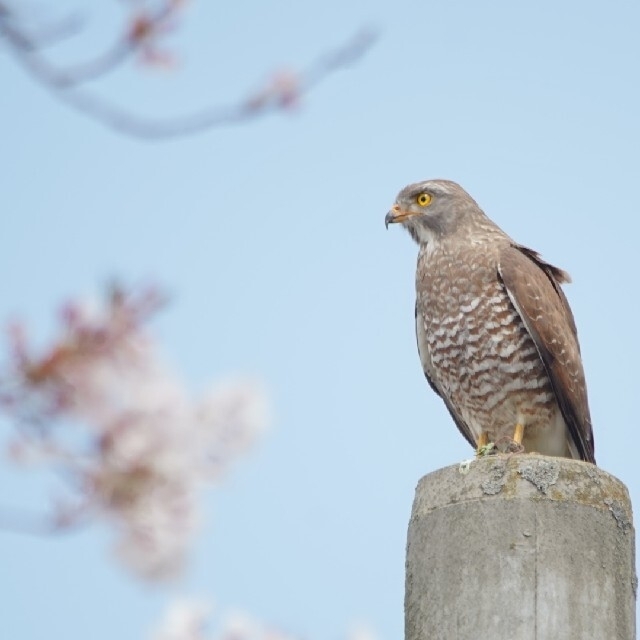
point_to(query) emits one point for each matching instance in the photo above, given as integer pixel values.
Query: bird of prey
(496, 337)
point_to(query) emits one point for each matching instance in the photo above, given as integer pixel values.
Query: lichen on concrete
(593, 474)
(541, 473)
(619, 513)
(496, 480)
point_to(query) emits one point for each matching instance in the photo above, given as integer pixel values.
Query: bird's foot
(487, 449)
(509, 445)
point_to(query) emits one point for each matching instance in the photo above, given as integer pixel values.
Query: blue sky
(270, 238)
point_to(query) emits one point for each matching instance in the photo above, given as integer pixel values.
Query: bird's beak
(396, 215)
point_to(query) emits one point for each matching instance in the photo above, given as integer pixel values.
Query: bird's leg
(518, 433)
(483, 440)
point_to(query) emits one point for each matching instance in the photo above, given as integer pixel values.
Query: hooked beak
(396, 215)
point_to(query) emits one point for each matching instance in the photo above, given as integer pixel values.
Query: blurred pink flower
(148, 25)
(184, 620)
(283, 90)
(187, 620)
(146, 446)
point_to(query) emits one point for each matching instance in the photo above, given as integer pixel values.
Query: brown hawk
(496, 337)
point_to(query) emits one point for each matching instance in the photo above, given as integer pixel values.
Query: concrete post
(520, 547)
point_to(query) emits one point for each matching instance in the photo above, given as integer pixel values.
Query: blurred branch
(282, 91)
(27, 46)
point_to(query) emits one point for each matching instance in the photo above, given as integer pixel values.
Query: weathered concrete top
(526, 476)
(520, 547)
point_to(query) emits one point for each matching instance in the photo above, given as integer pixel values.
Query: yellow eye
(423, 199)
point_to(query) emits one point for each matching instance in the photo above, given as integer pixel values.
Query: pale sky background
(270, 238)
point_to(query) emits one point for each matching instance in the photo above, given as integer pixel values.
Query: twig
(27, 48)
(279, 94)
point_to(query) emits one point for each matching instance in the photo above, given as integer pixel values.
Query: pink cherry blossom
(189, 619)
(101, 405)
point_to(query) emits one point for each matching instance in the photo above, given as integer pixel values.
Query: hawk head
(433, 209)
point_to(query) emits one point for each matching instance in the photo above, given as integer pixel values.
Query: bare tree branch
(281, 92)
(27, 47)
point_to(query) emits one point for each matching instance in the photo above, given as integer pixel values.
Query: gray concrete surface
(520, 547)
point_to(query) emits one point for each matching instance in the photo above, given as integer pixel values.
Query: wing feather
(534, 289)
